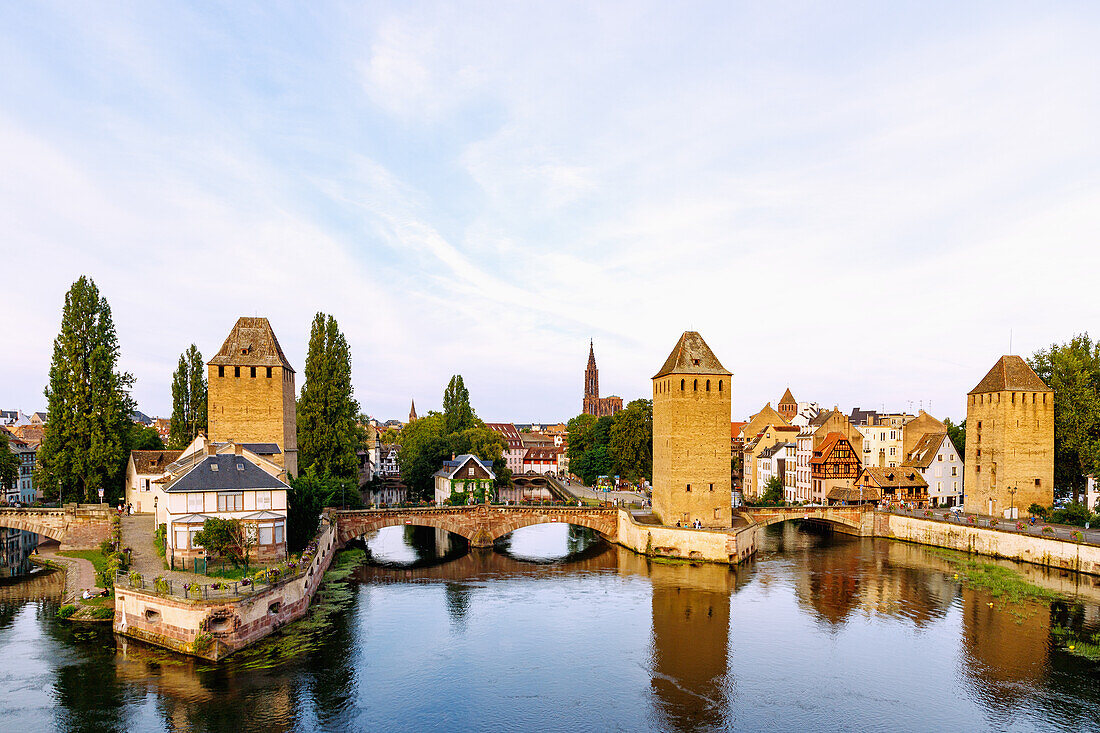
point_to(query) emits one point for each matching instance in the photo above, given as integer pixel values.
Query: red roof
(821, 454)
(735, 428)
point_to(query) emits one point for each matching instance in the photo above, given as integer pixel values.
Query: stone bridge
(481, 525)
(75, 526)
(848, 519)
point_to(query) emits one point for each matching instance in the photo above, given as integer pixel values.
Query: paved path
(587, 492)
(79, 573)
(1061, 531)
(138, 535)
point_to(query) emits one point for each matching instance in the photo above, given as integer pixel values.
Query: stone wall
(258, 409)
(1045, 551)
(75, 526)
(730, 546)
(213, 629)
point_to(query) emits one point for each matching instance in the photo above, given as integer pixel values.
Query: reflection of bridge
(480, 524)
(852, 520)
(75, 526)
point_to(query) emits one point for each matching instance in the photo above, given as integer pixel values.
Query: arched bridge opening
(845, 519)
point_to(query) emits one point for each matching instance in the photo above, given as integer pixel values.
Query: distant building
(251, 395)
(388, 465)
(691, 415)
(38, 418)
(412, 410)
(514, 450)
(542, 460)
(788, 405)
(900, 484)
(835, 464)
(593, 404)
(22, 489)
(143, 469)
(164, 428)
(466, 474)
(1009, 440)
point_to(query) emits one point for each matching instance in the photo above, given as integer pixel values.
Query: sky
(866, 202)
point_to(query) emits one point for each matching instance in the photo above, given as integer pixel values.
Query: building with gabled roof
(834, 463)
(251, 394)
(513, 442)
(788, 405)
(465, 475)
(934, 455)
(899, 484)
(143, 468)
(1009, 440)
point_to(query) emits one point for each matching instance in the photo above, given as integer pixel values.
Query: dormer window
(240, 466)
(695, 362)
(213, 467)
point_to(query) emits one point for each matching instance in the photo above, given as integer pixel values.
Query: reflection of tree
(458, 602)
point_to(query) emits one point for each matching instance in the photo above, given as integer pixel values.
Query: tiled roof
(262, 449)
(227, 476)
(1011, 373)
(251, 343)
(925, 451)
(691, 356)
(844, 493)
(788, 398)
(735, 428)
(153, 461)
(898, 477)
(451, 467)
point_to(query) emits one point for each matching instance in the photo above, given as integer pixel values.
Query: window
(278, 534)
(939, 457)
(470, 471)
(689, 487)
(267, 535)
(181, 538)
(236, 371)
(214, 467)
(194, 503)
(221, 371)
(719, 385)
(269, 372)
(681, 385)
(194, 531)
(712, 487)
(695, 385)
(253, 374)
(231, 502)
(1038, 483)
(263, 499)
(145, 484)
(954, 470)
(708, 385)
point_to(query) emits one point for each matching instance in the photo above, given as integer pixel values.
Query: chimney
(211, 449)
(452, 456)
(237, 449)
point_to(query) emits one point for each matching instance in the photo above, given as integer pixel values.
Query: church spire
(412, 411)
(591, 383)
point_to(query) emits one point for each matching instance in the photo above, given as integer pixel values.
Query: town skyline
(859, 203)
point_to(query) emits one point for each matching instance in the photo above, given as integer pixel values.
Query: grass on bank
(95, 557)
(1083, 645)
(1000, 582)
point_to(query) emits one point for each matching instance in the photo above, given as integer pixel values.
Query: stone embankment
(218, 623)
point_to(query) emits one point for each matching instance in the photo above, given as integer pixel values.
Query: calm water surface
(555, 630)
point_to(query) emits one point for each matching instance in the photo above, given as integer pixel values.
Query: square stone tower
(1009, 440)
(251, 397)
(691, 436)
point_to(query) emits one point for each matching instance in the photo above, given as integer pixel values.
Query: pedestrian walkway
(79, 573)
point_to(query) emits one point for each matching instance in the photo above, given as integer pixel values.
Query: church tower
(412, 411)
(591, 402)
(1009, 440)
(251, 393)
(691, 436)
(788, 405)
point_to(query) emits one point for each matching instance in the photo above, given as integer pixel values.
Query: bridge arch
(848, 518)
(77, 527)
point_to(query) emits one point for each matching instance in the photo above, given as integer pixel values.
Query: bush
(1075, 514)
(1078, 536)
(160, 585)
(103, 612)
(161, 538)
(1038, 510)
(67, 611)
(1048, 530)
(135, 578)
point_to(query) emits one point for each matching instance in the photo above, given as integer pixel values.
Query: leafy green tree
(189, 393)
(424, 445)
(309, 495)
(579, 430)
(88, 403)
(9, 462)
(219, 539)
(329, 434)
(457, 412)
(957, 433)
(145, 438)
(1072, 370)
(773, 492)
(631, 441)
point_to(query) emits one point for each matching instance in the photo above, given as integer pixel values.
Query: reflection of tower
(691, 616)
(1005, 653)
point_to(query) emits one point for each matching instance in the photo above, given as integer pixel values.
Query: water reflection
(554, 628)
(15, 547)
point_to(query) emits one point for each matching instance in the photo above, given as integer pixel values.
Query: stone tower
(1009, 440)
(251, 392)
(788, 405)
(691, 436)
(591, 402)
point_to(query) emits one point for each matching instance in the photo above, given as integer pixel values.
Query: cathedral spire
(412, 411)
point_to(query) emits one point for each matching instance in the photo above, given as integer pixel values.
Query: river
(556, 630)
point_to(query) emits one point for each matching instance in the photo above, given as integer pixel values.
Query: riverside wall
(730, 546)
(1046, 551)
(215, 628)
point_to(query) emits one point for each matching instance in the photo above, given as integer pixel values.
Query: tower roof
(691, 356)
(788, 398)
(1011, 373)
(251, 343)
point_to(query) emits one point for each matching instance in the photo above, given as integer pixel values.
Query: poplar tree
(88, 403)
(457, 413)
(328, 431)
(9, 463)
(189, 393)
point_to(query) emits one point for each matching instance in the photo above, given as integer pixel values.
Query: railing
(1040, 529)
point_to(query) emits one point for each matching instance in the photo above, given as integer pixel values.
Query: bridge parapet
(75, 526)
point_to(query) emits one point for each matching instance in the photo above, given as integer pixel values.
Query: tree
(957, 433)
(579, 430)
(189, 394)
(631, 441)
(9, 462)
(773, 492)
(308, 496)
(457, 413)
(1072, 370)
(88, 404)
(145, 438)
(329, 434)
(219, 538)
(424, 445)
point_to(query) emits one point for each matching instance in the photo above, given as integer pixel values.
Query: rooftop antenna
(1010, 341)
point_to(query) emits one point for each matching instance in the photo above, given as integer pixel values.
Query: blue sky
(860, 201)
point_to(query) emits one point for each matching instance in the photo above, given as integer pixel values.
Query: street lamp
(1012, 506)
